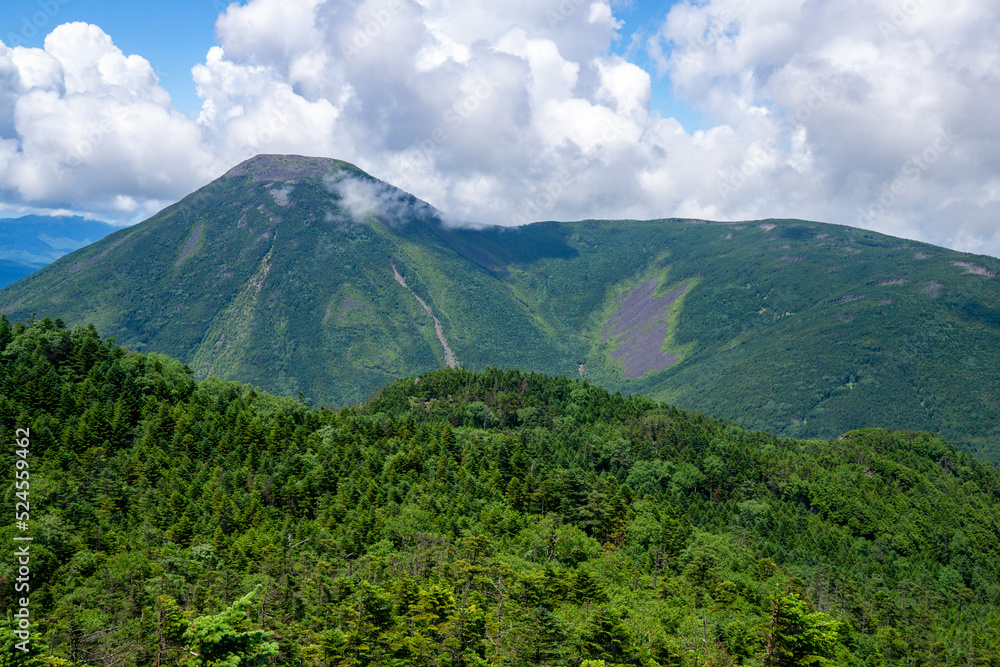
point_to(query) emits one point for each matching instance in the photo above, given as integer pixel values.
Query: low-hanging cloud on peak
(362, 197)
(870, 114)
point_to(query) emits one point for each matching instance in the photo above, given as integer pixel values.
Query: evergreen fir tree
(796, 637)
(224, 640)
(605, 638)
(6, 334)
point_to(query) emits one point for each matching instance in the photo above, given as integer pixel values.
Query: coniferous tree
(545, 637)
(586, 588)
(224, 640)
(6, 334)
(605, 638)
(378, 549)
(796, 637)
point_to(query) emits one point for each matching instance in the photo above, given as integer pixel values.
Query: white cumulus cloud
(88, 128)
(871, 114)
(874, 114)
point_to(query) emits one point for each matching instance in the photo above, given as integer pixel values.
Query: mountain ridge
(31, 242)
(282, 273)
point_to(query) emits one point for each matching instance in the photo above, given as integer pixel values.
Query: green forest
(802, 329)
(467, 518)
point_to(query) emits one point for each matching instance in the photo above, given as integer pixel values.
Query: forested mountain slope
(464, 518)
(308, 275)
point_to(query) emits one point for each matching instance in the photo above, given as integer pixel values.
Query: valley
(282, 274)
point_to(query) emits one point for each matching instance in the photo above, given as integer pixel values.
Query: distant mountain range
(33, 241)
(308, 275)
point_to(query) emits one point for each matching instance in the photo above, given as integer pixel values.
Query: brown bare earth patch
(893, 281)
(975, 269)
(933, 289)
(12, 306)
(921, 255)
(638, 329)
(449, 356)
(768, 226)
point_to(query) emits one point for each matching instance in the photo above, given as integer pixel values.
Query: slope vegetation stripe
(189, 246)
(236, 319)
(449, 356)
(82, 265)
(640, 328)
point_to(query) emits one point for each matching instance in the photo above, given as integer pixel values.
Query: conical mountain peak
(341, 189)
(306, 274)
(271, 167)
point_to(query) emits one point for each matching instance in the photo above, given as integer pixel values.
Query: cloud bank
(875, 114)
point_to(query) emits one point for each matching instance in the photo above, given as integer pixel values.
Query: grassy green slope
(266, 276)
(801, 328)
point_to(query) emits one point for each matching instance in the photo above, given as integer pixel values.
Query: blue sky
(870, 114)
(175, 36)
(172, 36)
(640, 20)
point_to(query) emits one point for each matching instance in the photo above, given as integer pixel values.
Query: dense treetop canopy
(462, 518)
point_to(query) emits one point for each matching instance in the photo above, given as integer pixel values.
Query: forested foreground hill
(300, 274)
(466, 518)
